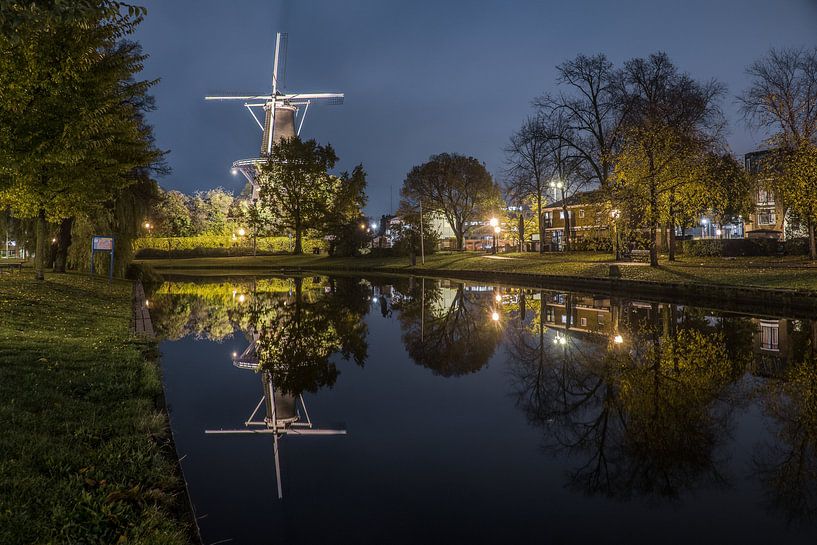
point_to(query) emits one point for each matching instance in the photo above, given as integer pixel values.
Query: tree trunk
(653, 227)
(298, 247)
(566, 213)
(41, 246)
(812, 244)
(671, 240)
(459, 236)
(521, 233)
(541, 224)
(63, 243)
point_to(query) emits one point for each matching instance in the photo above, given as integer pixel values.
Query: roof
(594, 196)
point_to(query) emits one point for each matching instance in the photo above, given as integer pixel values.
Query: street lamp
(495, 224)
(618, 339)
(234, 171)
(496, 236)
(241, 232)
(495, 316)
(615, 213)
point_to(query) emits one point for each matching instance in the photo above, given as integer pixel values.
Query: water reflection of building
(282, 416)
(771, 346)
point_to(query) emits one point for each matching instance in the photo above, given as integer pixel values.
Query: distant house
(588, 216)
(768, 219)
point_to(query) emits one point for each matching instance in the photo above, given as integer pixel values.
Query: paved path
(141, 315)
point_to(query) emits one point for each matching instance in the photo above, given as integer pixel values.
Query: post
(422, 244)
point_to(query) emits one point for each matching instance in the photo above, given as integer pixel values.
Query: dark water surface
(481, 413)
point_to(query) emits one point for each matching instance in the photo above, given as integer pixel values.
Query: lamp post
(615, 213)
(495, 224)
(558, 184)
(149, 227)
(705, 228)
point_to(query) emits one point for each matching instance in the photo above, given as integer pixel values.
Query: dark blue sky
(423, 77)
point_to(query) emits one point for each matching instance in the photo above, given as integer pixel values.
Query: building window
(765, 197)
(581, 212)
(766, 216)
(601, 319)
(769, 336)
(564, 318)
(549, 316)
(583, 321)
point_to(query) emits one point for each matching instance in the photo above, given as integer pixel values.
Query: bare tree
(527, 168)
(594, 111)
(782, 98)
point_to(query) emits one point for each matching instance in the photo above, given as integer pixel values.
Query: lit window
(766, 216)
(564, 318)
(581, 212)
(583, 322)
(769, 336)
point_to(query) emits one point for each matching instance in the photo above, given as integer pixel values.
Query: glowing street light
(234, 171)
(618, 339)
(374, 226)
(241, 298)
(495, 316)
(241, 232)
(494, 222)
(498, 298)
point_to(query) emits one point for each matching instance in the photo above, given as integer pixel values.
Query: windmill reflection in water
(281, 408)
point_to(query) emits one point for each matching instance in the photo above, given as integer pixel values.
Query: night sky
(423, 77)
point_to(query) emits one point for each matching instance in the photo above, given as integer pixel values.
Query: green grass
(761, 272)
(84, 450)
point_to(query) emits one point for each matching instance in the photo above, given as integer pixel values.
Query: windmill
(282, 415)
(280, 111)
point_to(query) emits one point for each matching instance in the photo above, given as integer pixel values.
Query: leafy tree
(782, 99)
(71, 113)
(672, 121)
(458, 187)
(296, 186)
(171, 214)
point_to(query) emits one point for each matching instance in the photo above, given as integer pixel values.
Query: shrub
(592, 244)
(216, 246)
(732, 247)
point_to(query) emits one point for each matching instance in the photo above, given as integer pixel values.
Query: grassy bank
(85, 455)
(761, 272)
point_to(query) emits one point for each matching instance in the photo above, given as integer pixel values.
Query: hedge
(737, 247)
(217, 245)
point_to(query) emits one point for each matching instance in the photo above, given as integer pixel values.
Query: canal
(406, 410)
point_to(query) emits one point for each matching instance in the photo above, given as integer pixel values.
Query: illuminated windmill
(280, 111)
(282, 414)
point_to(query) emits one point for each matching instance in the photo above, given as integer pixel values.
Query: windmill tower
(280, 113)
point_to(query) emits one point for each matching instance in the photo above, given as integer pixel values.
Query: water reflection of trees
(449, 329)
(297, 336)
(297, 323)
(787, 467)
(647, 416)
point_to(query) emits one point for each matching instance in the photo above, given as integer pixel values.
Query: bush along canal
(314, 409)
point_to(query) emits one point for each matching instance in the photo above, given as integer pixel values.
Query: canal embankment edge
(771, 301)
(142, 326)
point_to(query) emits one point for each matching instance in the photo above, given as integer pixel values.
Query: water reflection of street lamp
(618, 339)
(495, 316)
